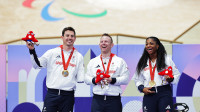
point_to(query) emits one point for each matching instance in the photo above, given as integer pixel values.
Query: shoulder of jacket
(56, 48)
(118, 58)
(52, 50)
(95, 59)
(167, 57)
(78, 53)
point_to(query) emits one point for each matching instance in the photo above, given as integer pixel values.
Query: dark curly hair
(161, 53)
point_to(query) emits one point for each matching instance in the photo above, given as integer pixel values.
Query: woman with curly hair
(156, 88)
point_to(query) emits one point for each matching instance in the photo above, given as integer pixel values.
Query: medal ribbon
(108, 67)
(152, 73)
(65, 66)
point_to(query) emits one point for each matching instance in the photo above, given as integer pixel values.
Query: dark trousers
(58, 101)
(101, 103)
(162, 101)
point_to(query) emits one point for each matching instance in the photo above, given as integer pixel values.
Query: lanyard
(108, 67)
(65, 66)
(152, 73)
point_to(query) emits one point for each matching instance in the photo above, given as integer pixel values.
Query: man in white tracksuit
(64, 68)
(107, 92)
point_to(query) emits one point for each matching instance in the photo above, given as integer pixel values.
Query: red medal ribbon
(65, 66)
(152, 73)
(108, 67)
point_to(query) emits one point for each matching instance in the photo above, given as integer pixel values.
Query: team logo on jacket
(146, 68)
(145, 109)
(73, 59)
(97, 66)
(73, 65)
(44, 109)
(58, 63)
(58, 56)
(70, 64)
(112, 71)
(168, 107)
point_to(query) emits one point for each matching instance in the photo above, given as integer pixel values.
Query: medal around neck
(65, 73)
(152, 83)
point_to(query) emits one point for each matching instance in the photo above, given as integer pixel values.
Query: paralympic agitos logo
(46, 16)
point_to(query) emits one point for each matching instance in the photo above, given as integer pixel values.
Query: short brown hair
(105, 34)
(70, 29)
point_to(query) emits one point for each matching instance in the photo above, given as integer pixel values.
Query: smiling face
(105, 44)
(68, 38)
(151, 46)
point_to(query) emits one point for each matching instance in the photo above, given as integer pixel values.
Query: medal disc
(65, 73)
(152, 83)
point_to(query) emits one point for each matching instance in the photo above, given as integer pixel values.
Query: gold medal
(152, 83)
(65, 73)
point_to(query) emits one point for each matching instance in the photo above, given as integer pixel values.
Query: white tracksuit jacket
(118, 69)
(52, 60)
(144, 78)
